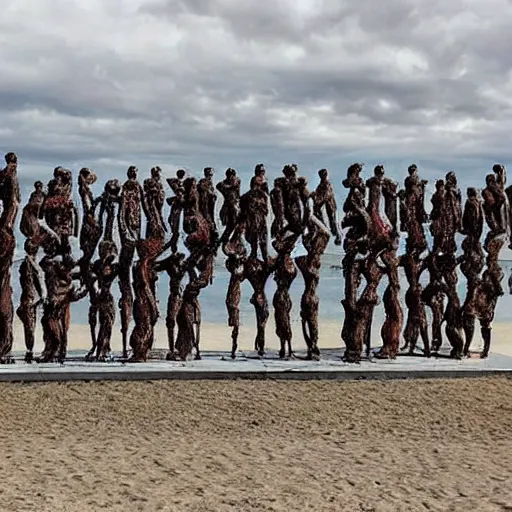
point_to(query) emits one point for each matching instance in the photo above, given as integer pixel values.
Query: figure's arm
(76, 221)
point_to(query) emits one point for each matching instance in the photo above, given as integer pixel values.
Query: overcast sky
(194, 83)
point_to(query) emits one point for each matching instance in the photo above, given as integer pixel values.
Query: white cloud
(232, 82)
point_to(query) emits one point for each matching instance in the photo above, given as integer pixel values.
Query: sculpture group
(375, 213)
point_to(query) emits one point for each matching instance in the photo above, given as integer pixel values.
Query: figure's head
(257, 182)
(156, 172)
(132, 172)
(412, 169)
(38, 186)
(180, 174)
(290, 170)
(113, 187)
(259, 170)
(451, 179)
(439, 185)
(230, 173)
(107, 251)
(11, 160)
(302, 182)
(490, 180)
(31, 246)
(189, 183)
(498, 168)
(208, 172)
(323, 174)
(378, 171)
(471, 192)
(87, 176)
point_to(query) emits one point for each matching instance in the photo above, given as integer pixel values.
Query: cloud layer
(110, 83)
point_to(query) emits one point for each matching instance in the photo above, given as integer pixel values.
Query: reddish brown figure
(176, 204)
(32, 212)
(60, 293)
(109, 199)
(454, 325)
(200, 271)
(494, 200)
(154, 198)
(207, 197)
(412, 214)
(145, 306)
(437, 217)
(229, 187)
(285, 273)
(257, 273)
(433, 296)
(392, 327)
(252, 220)
(235, 266)
(176, 267)
(129, 219)
(416, 324)
(59, 211)
(31, 295)
(104, 272)
(324, 199)
(10, 197)
(315, 241)
(90, 235)
(390, 194)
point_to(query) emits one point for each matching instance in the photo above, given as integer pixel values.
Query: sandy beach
(217, 336)
(257, 446)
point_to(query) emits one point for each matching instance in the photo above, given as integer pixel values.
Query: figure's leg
(263, 236)
(468, 322)
(485, 329)
(170, 323)
(307, 337)
(93, 321)
(437, 334)
(424, 335)
(331, 214)
(234, 341)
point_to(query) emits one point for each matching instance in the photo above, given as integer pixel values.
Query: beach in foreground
(265, 446)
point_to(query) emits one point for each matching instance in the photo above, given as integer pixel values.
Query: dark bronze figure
(32, 212)
(324, 199)
(60, 293)
(176, 267)
(59, 211)
(176, 204)
(31, 294)
(315, 241)
(129, 220)
(207, 197)
(104, 272)
(10, 197)
(235, 265)
(229, 187)
(154, 198)
(109, 199)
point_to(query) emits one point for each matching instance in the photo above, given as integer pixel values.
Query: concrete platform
(219, 365)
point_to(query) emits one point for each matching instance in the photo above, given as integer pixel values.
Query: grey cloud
(224, 81)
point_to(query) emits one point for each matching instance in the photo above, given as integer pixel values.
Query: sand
(257, 446)
(217, 336)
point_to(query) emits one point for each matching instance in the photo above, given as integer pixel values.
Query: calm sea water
(330, 292)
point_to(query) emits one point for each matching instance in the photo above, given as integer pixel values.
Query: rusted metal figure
(315, 240)
(154, 198)
(207, 197)
(10, 198)
(176, 203)
(108, 201)
(60, 213)
(129, 221)
(104, 272)
(29, 223)
(229, 187)
(325, 200)
(235, 265)
(60, 293)
(176, 267)
(31, 294)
